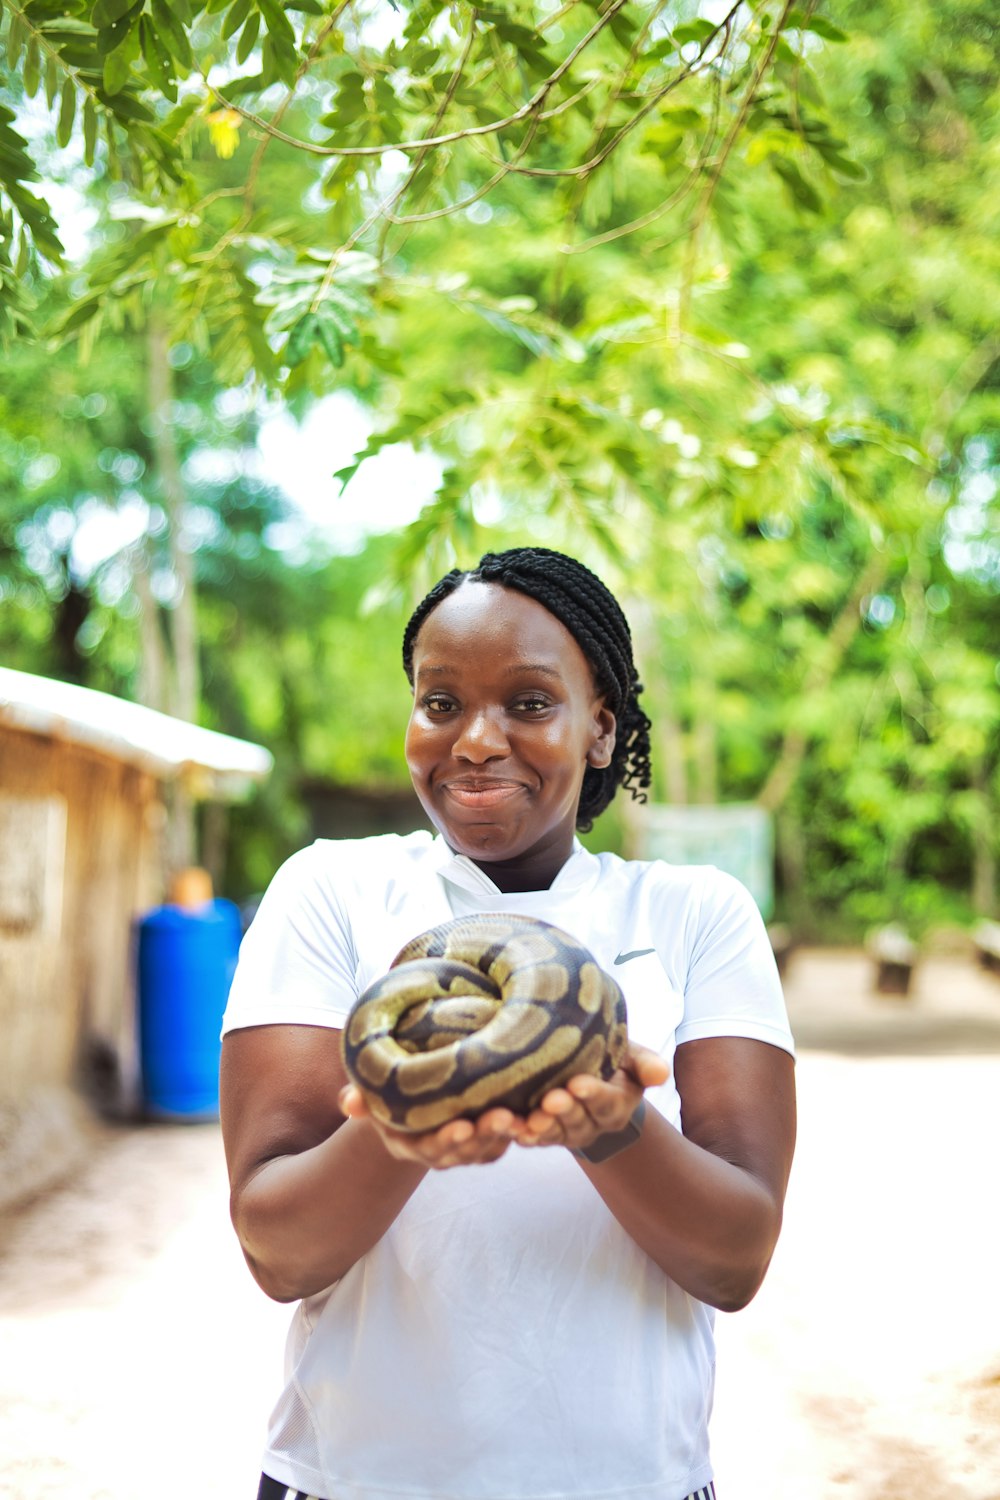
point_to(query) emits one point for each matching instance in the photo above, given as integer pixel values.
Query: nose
(481, 737)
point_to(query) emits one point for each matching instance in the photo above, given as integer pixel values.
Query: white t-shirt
(505, 1339)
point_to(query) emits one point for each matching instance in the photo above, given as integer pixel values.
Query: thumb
(646, 1066)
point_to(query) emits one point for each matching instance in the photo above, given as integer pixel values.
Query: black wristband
(607, 1146)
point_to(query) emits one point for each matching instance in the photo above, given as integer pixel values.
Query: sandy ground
(135, 1350)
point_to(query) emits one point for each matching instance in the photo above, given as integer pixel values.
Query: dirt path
(135, 1350)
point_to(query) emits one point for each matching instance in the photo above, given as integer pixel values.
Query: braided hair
(593, 617)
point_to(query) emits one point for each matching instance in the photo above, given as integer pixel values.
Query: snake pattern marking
(478, 1012)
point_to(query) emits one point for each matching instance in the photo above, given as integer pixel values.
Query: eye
(531, 704)
(437, 703)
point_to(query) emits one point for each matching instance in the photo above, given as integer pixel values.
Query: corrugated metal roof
(168, 748)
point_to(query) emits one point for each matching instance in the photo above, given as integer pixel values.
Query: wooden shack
(83, 779)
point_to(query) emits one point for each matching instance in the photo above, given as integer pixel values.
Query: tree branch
(689, 70)
(718, 167)
(468, 133)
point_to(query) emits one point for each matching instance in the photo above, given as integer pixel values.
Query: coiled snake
(478, 1012)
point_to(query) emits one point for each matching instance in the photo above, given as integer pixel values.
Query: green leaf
(157, 59)
(623, 30)
(127, 107)
(845, 166)
(32, 68)
(301, 339)
(803, 192)
(117, 68)
(235, 17)
(172, 33)
(106, 12)
(51, 80)
(67, 113)
(80, 313)
(112, 36)
(89, 131)
(694, 31)
(248, 38)
(23, 254)
(331, 340)
(254, 83)
(35, 213)
(799, 20)
(346, 474)
(16, 34)
(350, 105)
(279, 27)
(527, 44)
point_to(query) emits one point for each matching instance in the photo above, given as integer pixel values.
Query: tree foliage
(458, 103)
(708, 301)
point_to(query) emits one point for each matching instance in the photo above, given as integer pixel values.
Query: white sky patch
(300, 459)
(75, 217)
(103, 530)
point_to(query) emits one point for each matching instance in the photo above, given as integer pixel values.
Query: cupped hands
(573, 1115)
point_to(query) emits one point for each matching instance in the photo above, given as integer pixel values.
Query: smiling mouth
(481, 793)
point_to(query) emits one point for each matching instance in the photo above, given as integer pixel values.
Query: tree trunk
(669, 763)
(186, 685)
(705, 751)
(984, 860)
(791, 851)
(154, 668)
(183, 687)
(214, 841)
(670, 742)
(822, 672)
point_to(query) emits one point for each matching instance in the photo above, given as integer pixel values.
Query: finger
(544, 1129)
(455, 1134)
(476, 1151)
(597, 1099)
(427, 1148)
(499, 1123)
(352, 1102)
(607, 1106)
(557, 1101)
(646, 1066)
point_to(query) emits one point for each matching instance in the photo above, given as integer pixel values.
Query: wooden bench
(895, 956)
(986, 938)
(782, 944)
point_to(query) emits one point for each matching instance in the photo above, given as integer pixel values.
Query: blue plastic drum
(187, 957)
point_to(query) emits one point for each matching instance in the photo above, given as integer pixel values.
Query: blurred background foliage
(706, 296)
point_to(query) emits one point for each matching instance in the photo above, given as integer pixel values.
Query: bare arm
(705, 1205)
(312, 1191)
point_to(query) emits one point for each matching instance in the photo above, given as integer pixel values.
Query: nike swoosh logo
(623, 958)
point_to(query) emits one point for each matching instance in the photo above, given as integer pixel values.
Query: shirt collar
(459, 870)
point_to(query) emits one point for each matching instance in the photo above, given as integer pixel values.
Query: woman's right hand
(460, 1143)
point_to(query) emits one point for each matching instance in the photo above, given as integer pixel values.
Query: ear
(604, 734)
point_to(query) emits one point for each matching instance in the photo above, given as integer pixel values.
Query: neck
(533, 872)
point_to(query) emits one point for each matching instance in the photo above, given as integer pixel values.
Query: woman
(544, 1327)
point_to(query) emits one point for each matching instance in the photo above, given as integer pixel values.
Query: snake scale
(478, 1012)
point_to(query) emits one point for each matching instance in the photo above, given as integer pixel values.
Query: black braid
(594, 618)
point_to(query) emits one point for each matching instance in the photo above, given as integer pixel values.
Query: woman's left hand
(588, 1107)
(460, 1143)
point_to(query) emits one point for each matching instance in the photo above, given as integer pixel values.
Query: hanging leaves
(321, 303)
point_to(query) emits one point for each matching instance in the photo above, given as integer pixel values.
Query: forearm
(710, 1225)
(304, 1219)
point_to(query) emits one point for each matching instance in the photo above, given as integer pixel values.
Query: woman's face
(505, 721)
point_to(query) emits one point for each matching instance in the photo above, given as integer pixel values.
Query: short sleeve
(732, 986)
(297, 962)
